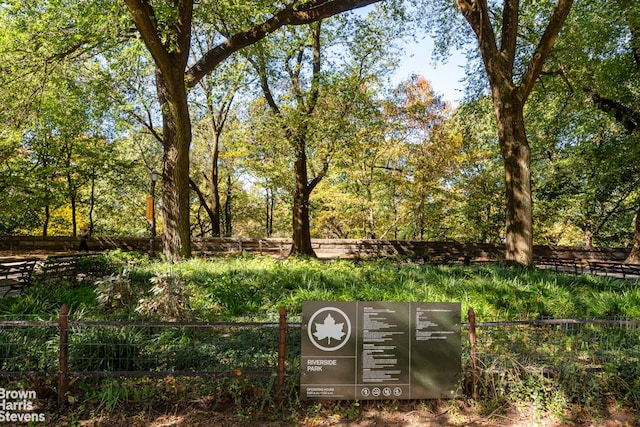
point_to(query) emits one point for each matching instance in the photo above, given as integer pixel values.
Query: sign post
(380, 350)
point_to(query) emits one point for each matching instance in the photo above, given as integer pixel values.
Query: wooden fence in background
(325, 248)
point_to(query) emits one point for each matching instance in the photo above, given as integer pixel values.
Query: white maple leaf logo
(329, 329)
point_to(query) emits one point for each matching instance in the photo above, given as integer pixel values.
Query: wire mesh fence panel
(556, 362)
(139, 349)
(585, 344)
(28, 345)
(100, 349)
(173, 350)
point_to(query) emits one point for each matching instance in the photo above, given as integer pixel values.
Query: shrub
(168, 299)
(115, 291)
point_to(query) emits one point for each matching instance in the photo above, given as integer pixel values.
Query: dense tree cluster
(280, 119)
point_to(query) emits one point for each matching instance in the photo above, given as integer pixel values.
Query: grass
(254, 288)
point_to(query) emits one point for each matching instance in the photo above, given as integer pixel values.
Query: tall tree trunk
(369, 222)
(214, 186)
(47, 218)
(218, 119)
(228, 227)
(634, 256)
(421, 221)
(516, 155)
(372, 223)
(72, 195)
(297, 135)
(92, 201)
(176, 132)
(170, 49)
(270, 204)
(508, 101)
(74, 219)
(301, 244)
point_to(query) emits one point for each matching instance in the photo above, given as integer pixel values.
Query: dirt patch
(369, 414)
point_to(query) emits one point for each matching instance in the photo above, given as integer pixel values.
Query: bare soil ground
(407, 414)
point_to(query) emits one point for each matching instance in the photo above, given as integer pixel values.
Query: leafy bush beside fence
(568, 361)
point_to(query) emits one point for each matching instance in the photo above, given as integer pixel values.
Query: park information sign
(380, 350)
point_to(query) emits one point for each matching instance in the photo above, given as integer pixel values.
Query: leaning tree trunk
(176, 132)
(74, 215)
(516, 155)
(301, 245)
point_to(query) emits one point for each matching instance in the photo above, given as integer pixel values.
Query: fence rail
(329, 248)
(59, 260)
(142, 349)
(66, 349)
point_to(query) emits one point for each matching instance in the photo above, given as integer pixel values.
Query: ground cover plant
(563, 370)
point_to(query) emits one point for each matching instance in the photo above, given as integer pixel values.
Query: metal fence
(66, 349)
(598, 355)
(547, 344)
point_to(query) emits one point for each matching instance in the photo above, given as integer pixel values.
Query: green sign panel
(380, 350)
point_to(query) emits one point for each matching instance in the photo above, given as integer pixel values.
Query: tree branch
(626, 116)
(294, 73)
(316, 180)
(509, 35)
(476, 12)
(144, 17)
(149, 125)
(264, 85)
(388, 168)
(605, 218)
(183, 29)
(203, 200)
(547, 41)
(167, 54)
(315, 78)
(294, 14)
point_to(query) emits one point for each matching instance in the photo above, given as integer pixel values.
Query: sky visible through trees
(446, 76)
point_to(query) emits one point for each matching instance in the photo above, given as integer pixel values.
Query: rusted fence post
(63, 368)
(282, 348)
(472, 346)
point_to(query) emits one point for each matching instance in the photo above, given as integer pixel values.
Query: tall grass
(256, 286)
